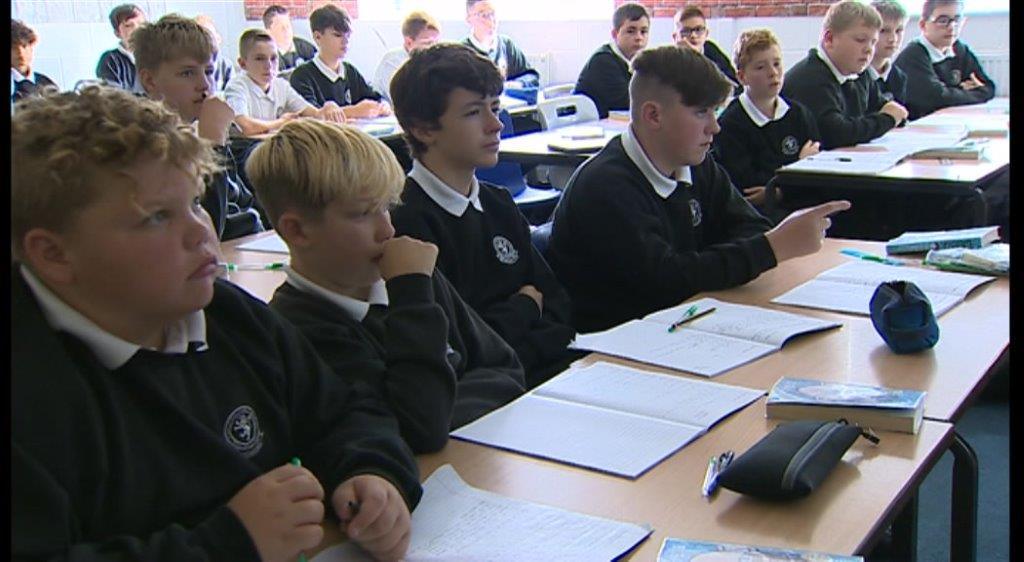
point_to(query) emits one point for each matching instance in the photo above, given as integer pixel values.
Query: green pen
(252, 266)
(690, 314)
(295, 461)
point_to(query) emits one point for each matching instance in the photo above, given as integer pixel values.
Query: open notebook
(455, 522)
(734, 334)
(848, 287)
(608, 417)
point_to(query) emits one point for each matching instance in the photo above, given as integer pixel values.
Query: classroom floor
(986, 426)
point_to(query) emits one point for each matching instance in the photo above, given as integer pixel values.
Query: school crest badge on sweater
(790, 145)
(695, 212)
(505, 251)
(242, 431)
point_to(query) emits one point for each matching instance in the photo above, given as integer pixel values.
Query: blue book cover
(910, 242)
(826, 393)
(679, 550)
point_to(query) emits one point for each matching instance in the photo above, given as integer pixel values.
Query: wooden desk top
(844, 516)
(972, 334)
(533, 147)
(972, 337)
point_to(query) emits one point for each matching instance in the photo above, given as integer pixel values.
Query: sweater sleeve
(46, 527)
(838, 129)
(360, 89)
(733, 152)
(638, 256)
(341, 428)
(603, 81)
(493, 374)
(305, 85)
(926, 92)
(973, 65)
(518, 67)
(108, 69)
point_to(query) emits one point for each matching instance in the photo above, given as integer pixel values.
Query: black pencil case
(792, 460)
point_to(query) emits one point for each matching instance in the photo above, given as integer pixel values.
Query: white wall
(68, 51)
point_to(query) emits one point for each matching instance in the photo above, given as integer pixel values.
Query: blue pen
(869, 257)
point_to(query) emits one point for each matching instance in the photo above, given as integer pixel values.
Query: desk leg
(904, 532)
(964, 520)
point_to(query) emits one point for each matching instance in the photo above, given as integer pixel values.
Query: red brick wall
(298, 8)
(738, 8)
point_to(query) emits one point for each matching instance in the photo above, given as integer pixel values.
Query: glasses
(484, 15)
(698, 31)
(946, 21)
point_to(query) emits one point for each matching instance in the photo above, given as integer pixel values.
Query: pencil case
(791, 461)
(903, 316)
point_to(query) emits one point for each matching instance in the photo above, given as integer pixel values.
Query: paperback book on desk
(734, 334)
(608, 417)
(681, 550)
(912, 242)
(874, 407)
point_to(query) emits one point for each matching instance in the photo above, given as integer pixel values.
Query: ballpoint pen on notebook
(869, 257)
(691, 314)
(251, 266)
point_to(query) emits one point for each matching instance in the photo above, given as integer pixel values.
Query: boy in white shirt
(262, 102)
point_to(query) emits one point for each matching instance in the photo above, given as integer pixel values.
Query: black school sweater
(931, 87)
(751, 154)
(232, 206)
(516, 65)
(895, 85)
(721, 60)
(436, 363)
(118, 70)
(488, 257)
(605, 79)
(28, 88)
(304, 51)
(622, 251)
(846, 115)
(139, 463)
(317, 89)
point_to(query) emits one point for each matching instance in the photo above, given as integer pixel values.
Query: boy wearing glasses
(691, 30)
(328, 78)
(942, 71)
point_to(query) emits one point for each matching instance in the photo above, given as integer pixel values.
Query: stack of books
(990, 260)
(873, 407)
(912, 242)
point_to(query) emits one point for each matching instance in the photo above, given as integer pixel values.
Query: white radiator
(997, 66)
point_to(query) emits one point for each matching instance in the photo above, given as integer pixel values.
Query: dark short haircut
(330, 16)
(21, 34)
(630, 11)
(272, 12)
(890, 9)
(689, 12)
(698, 81)
(421, 87)
(930, 5)
(123, 13)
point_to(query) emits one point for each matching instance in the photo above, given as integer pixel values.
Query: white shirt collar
(760, 119)
(256, 88)
(126, 52)
(840, 77)
(330, 74)
(664, 186)
(355, 308)
(934, 52)
(618, 52)
(17, 76)
(485, 48)
(111, 351)
(444, 195)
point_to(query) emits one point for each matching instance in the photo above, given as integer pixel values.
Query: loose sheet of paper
(271, 244)
(846, 162)
(455, 522)
(848, 287)
(607, 417)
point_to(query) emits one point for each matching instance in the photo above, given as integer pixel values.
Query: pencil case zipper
(798, 461)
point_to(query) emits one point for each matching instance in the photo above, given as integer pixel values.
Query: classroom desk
(973, 336)
(532, 148)
(846, 515)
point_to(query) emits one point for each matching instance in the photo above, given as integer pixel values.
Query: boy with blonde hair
(831, 82)
(761, 130)
(419, 31)
(155, 407)
(262, 101)
(373, 305)
(890, 78)
(175, 61)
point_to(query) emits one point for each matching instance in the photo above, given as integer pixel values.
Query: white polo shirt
(247, 98)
